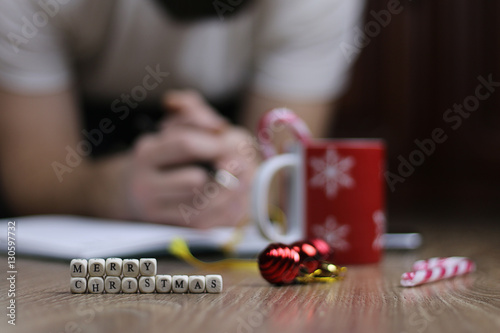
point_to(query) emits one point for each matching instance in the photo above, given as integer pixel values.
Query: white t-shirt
(281, 48)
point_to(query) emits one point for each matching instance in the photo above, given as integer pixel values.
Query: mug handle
(260, 199)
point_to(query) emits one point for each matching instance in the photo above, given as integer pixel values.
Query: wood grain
(368, 300)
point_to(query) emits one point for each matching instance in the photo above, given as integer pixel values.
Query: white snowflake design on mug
(331, 172)
(333, 233)
(379, 220)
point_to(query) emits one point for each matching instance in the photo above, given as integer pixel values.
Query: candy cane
(451, 269)
(435, 262)
(280, 116)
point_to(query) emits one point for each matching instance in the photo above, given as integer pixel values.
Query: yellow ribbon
(180, 249)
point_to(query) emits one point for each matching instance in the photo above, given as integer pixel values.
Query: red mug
(336, 193)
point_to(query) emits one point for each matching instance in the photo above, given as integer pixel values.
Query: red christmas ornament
(312, 253)
(282, 264)
(324, 250)
(279, 263)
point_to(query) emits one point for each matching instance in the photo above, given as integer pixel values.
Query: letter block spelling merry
(114, 266)
(147, 266)
(78, 268)
(97, 267)
(130, 267)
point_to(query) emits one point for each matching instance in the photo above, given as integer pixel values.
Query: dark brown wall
(427, 59)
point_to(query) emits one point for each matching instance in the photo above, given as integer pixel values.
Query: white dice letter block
(148, 266)
(78, 268)
(113, 284)
(96, 285)
(163, 284)
(147, 284)
(196, 284)
(113, 266)
(130, 267)
(213, 284)
(180, 284)
(97, 267)
(129, 285)
(78, 285)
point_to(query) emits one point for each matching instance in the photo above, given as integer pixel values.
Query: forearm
(90, 188)
(106, 189)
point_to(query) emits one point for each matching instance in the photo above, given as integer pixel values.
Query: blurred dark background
(427, 59)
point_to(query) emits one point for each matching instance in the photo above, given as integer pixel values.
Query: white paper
(67, 237)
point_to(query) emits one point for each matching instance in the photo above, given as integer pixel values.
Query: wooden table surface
(368, 300)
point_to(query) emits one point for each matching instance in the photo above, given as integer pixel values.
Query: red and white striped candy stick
(280, 116)
(435, 262)
(451, 269)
